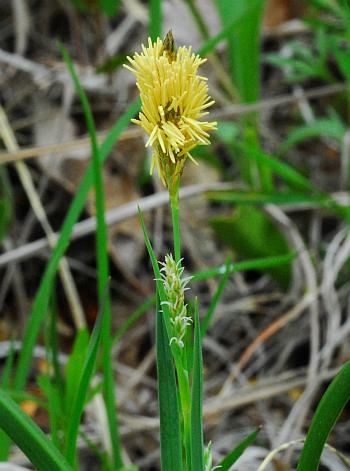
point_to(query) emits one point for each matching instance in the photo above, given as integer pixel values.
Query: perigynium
(174, 98)
(175, 287)
(208, 459)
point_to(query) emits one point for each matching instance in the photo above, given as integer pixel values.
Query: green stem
(174, 204)
(155, 19)
(181, 371)
(185, 401)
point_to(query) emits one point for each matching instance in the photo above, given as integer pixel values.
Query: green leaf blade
(244, 44)
(81, 391)
(327, 413)
(238, 450)
(216, 299)
(39, 309)
(158, 277)
(170, 437)
(285, 171)
(197, 448)
(229, 27)
(252, 234)
(328, 127)
(155, 19)
(29, 437)
(102, 267)
(259, 198)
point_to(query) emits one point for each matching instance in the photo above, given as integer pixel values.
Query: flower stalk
(174, 100)
(175, 216)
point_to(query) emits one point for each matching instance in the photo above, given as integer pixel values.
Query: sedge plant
(174, 100)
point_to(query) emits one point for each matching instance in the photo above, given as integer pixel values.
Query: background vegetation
(264, 232)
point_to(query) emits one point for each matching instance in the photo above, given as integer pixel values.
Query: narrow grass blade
(289, 175)
(262, 198)
(329, 127)
(267, 262)
(24, 396)
(81, 391)
(233, 456)
(73, 368)
(182, 376)
(159, 284)
(50, 390)
(102, 255)
(250, 232)
(155, 19)
(175, 349)
(29, 437)
(170, 437)
(8, 367)
(327, 413)
(216, 298)
(244, 59)
(52, 383)
(293, 178)
(39, 309)
(228, 28)
(5, 384)
(244, 43)
(102, 268)
(254, 264)
(52, 348)
(134, 317)
(198, 18)
(101, 455)
(197, 448)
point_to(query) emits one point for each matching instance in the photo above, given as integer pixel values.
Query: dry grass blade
(270, 103)
(23, 154)
(122, 213)
(273, 328)
(33, 197)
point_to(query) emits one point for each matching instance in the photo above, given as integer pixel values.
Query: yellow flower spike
(174, 99)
